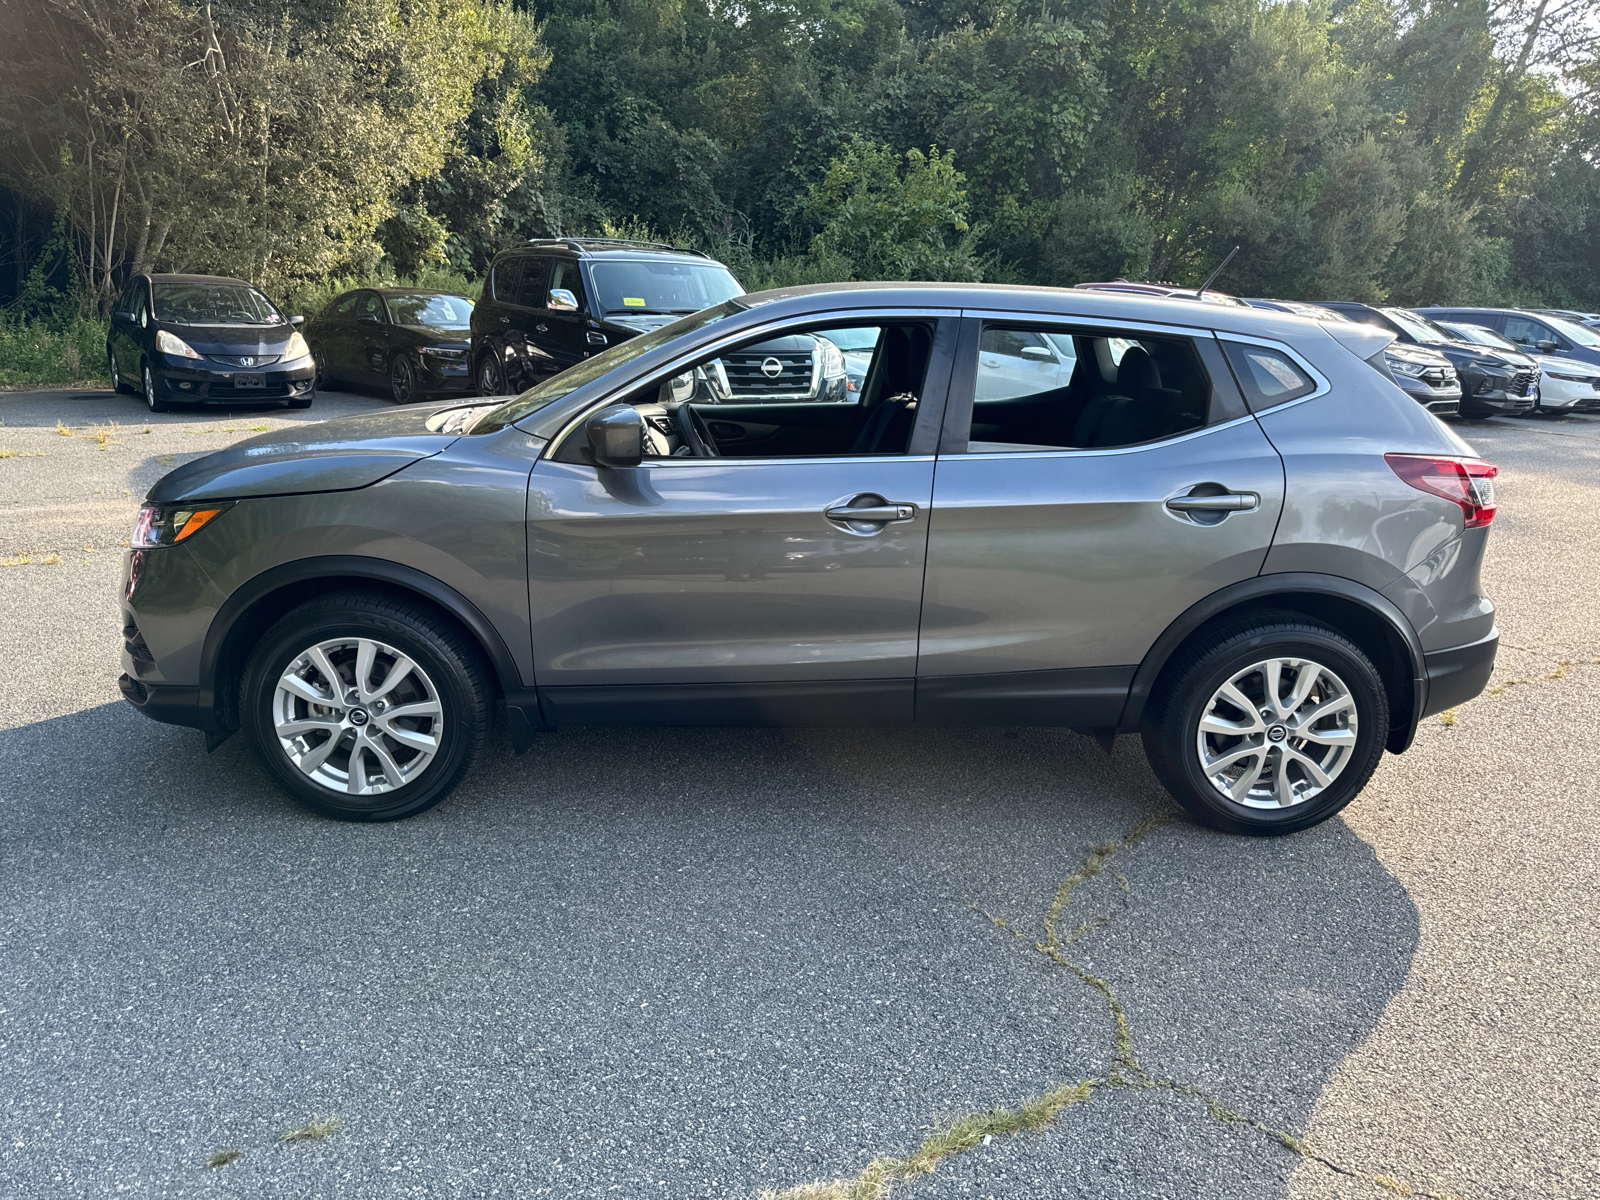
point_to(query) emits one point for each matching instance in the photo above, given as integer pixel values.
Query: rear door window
(530, 288)
(1048, 387)
(1267, 377)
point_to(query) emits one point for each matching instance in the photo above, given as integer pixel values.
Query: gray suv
(1219, 527)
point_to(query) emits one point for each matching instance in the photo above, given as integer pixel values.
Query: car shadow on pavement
(664, 962)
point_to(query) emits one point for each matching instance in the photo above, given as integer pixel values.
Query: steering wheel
(694, 431)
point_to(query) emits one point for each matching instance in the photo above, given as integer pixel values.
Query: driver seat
(892, 390)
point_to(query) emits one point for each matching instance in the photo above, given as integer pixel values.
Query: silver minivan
(1222, 528)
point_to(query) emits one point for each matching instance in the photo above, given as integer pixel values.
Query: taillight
(1468, 482)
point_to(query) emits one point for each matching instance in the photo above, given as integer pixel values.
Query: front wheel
(402, 380)
(1271, 727)
(491, 377)
(153, 402)
(365, 708)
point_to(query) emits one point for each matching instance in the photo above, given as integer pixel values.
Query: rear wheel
(319, 359)
(122, 388)
(1271, 727)
(365, 708)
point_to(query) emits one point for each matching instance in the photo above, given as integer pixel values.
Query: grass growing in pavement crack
(315, 1131)
(969, 1132)
(223, 1157)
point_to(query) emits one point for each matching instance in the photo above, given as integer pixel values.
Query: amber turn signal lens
(196, 520)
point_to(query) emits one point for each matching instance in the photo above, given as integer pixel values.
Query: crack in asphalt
(877, 1179)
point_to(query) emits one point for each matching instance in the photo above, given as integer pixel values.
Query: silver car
(1222, 528)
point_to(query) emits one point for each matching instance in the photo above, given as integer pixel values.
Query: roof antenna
(1218, 271)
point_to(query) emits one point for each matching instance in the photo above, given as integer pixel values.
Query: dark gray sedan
(1220, 527)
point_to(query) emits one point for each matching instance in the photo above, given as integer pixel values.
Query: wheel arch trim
(351, 568)
(1252, 593)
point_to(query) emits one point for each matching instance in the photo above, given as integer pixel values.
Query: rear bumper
(1460, 673)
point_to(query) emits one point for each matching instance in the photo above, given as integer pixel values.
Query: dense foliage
(1410, 150)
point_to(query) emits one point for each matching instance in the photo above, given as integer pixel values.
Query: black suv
(1494, 383)
(549, 304)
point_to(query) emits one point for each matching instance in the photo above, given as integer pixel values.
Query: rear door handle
(541, 327)
(505, 320)
(1228, 502)
(877, 513)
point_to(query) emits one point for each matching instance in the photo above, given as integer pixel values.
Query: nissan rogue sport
(1217, 526)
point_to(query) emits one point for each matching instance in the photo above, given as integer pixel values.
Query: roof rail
(600, 243)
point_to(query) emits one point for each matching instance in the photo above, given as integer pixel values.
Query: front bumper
(1458, 674)
(185, 381)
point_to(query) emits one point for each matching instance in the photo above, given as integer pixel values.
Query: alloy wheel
(489, 382)
(1277, 733)
(357, 716)
(319, 360)
(150, 400)
(402, 382)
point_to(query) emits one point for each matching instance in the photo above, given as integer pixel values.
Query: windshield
(213, 304)
(662, 287)
(1420, 328)
(452, 312)
(1572, 331)
(1480, 335)
(557, 386)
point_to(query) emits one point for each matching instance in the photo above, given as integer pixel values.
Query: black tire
(319, 360)
(491, 376)
(402, 380)
(452, 676)
(1187, 687)
(122, 389)
(151, 401)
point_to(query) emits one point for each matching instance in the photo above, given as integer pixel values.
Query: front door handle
(1227, 502)
(505, 320)
(541, 327)
(876, 513)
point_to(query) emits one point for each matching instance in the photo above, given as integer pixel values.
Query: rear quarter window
(1267, 377)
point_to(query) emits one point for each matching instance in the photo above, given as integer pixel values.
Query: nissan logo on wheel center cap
(1277, 733)
(358, 716)
(771, 368)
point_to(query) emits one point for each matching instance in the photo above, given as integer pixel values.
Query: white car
(1565, 385)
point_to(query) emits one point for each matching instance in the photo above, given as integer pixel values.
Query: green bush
(36, 351)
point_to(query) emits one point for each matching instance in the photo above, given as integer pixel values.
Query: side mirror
(123, 314)
(616, 436)
(562, 300)
(297, 319)
(1549, 347)
(373, 317)
(1038, 353)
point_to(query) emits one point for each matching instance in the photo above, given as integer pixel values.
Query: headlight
(169, 343)
(1405, 367)
(296, 347)
(167, 526)
(832, 359)
(443, 352)
(1572, 378)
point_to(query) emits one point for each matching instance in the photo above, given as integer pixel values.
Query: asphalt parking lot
(686, 963)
